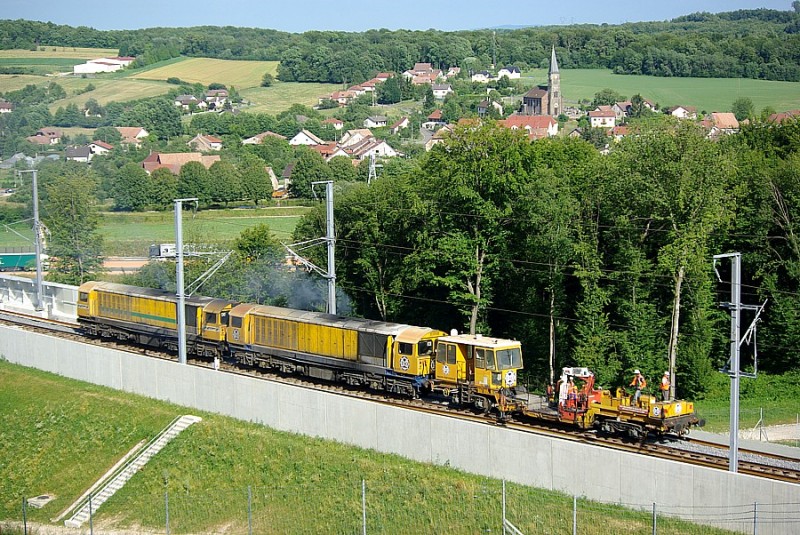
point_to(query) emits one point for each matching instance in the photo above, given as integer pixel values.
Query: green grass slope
(59, 435)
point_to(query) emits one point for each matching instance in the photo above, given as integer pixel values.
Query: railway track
(686, 450)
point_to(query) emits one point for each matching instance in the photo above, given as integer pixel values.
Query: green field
(281, 95)
(107, 90)
(45, 51)
(709, 94)
(240, 74)
(131, 234)
(60, 435)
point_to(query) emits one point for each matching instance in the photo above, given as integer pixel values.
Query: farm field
(107, 90)
(709, 94)
(296, 484)
(45, 51)
(131, 234)
(281, 95)
(240, 74)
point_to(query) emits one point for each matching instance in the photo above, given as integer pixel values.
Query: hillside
(59, 435)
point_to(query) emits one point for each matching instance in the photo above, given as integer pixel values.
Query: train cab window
(480, 358)
(405, 348)
(224, 318)
(441, 353)
(236, 322)
(211, 317)
(509, 358)
(451, 354)
(83, 296)
(490, 365)
(425, 348)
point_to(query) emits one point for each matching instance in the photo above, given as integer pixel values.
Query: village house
(369, 147)
(452, 72)
(375, 121)
(175, 161)
(422, 73)
(6, 107)
(619, 131)
(205, 143)
(132, 135)
(720, 124)
(329, 150)
(216, 98)
(80, 153)
(484, 105)
(602, 117)
(186, 102)
(304, 137)
(786, 116)
(510, 72)
(434, 120)
(258, 138)
(45, 136)
(441, 90)
(98, 148)
(336, 124)
(535, 126)
(682, 112)
(351, 137)
(438, 137)
(483, 77)
(399, 125)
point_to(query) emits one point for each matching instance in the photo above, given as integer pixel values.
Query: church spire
(553, 61)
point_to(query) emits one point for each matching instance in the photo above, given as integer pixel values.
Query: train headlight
(511, 378)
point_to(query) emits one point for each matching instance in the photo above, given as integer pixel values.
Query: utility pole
(734, 371)
(37, 235)
(181, 315)
(330, 240)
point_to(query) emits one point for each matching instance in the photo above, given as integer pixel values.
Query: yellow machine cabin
(474, 369)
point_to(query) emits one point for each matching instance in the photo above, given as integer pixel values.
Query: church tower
(554, 104)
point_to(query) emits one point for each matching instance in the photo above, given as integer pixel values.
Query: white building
(94, 66)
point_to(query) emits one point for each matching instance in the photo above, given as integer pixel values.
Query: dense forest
(760, 43)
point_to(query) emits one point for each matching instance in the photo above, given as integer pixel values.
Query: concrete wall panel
(597, 473)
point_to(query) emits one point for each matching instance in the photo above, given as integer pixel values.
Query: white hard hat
(636, 372)
(666, 373)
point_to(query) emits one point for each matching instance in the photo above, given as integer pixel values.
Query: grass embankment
(59, 435)
(709, 94)
(777, 395)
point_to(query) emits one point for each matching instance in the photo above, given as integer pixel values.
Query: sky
(356, 15)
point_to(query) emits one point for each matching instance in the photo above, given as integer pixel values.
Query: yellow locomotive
(398, 358)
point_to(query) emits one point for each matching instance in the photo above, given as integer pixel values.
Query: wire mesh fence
(387, 507)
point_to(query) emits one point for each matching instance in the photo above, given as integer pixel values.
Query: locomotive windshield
(425, 347)
(508, 359)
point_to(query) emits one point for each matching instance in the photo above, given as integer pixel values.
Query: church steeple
(554, 102)
(553, 61)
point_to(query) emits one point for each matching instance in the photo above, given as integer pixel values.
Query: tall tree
(474, 178)
(71, 217)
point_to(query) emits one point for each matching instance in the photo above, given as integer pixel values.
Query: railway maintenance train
(469, 370)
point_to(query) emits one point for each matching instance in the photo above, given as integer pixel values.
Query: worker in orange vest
(639, 383)
(665, 384)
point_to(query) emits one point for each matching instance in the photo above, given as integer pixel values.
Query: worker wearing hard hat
(665, 384)
(638, 383)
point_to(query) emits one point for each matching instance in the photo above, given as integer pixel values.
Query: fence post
(25, 515)
(91, 516)
(364, 506)
(249, 510)
(504, 507)
(655, 529)
(755, 518)
(574, 515)
(166, 509)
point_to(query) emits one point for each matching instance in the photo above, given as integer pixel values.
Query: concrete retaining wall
(19, 294)
(596, 473)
